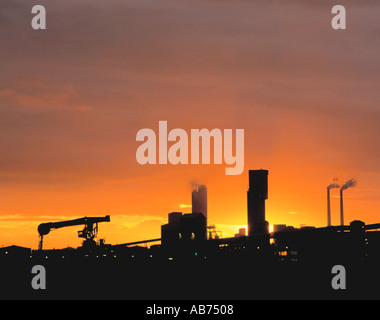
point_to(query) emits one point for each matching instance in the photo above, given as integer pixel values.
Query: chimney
(331, 186)
(328, 208)
(256, 196)
(199, 200)
(350, 183)
(341, 208)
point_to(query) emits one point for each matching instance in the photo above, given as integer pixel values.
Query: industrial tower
(256, 196)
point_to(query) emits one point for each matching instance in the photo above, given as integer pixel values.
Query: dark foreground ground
(194, 279)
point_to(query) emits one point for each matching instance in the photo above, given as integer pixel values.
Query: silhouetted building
(256, 196)
(170, 233)
(241, 233)
(278, 227)
(15, 251)
(183, 228)
(193, 227)
(199, 200)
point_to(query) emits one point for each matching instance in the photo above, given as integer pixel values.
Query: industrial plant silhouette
(193, 261)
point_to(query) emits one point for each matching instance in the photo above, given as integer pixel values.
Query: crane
(89, 231)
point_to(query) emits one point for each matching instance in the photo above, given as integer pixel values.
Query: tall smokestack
(256, 196)
(331, 186)
(328, 208)
(350, 183)
(341, 208)
(199, 200)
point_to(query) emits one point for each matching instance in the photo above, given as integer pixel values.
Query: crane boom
(89, 232)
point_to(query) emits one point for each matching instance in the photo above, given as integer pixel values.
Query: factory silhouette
(192, 260)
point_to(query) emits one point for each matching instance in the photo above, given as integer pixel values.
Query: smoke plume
(194, 183)
(333, 185)
(350, 183)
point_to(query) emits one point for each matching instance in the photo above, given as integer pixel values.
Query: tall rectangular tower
(199, 200)
(256, 196)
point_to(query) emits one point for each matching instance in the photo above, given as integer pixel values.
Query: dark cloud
(73, 96)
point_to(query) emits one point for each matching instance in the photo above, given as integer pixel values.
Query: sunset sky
(73, 97)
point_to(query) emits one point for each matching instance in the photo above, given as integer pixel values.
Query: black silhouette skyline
(188, 263)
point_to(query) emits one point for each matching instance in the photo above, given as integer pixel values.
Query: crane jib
(89, 232)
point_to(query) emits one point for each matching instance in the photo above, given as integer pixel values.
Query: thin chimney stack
(331, 186)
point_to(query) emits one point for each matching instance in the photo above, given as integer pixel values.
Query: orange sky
(73, 97)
